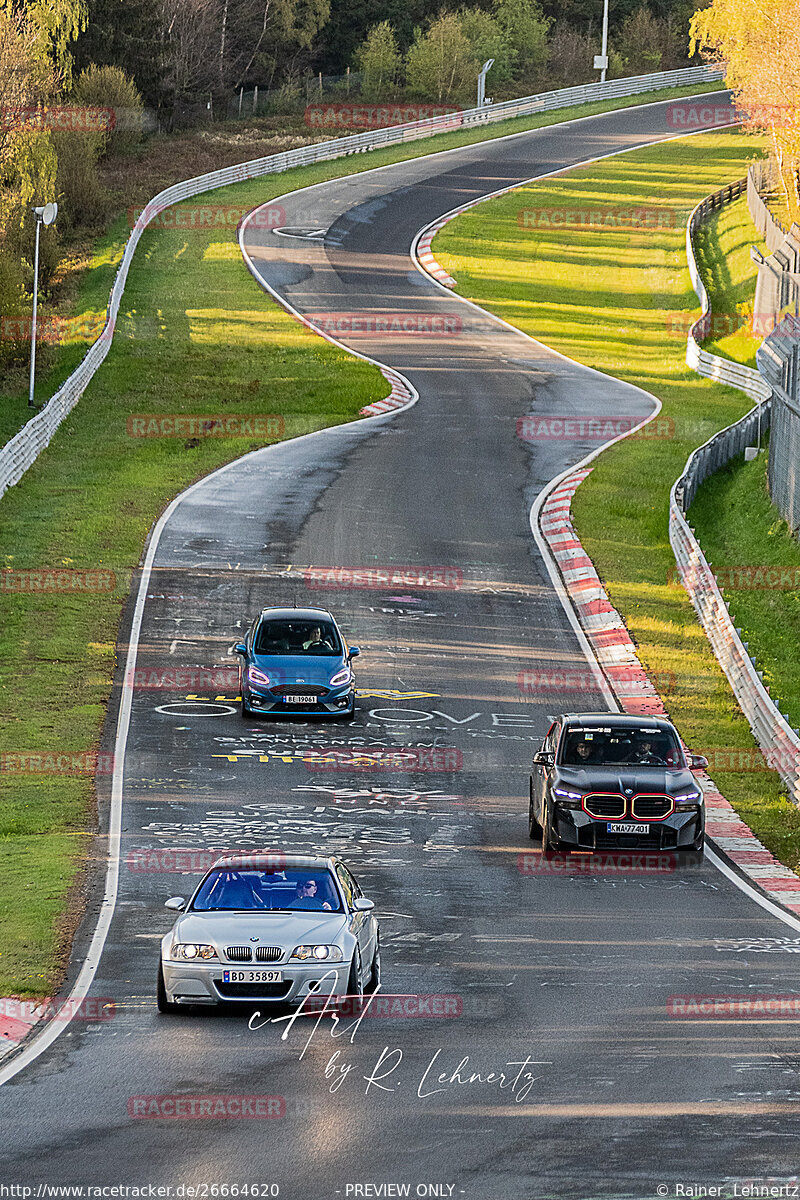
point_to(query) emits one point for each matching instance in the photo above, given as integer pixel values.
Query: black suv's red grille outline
(612, 802)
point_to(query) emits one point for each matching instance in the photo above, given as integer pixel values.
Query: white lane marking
(40, 1041)
(746, 887)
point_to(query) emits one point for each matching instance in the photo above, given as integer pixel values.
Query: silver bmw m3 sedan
(264, 926)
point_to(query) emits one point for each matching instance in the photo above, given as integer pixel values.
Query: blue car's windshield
(263, 891)
(297, 637)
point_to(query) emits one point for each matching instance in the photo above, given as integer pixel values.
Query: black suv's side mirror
(543, 758)
(696, 762)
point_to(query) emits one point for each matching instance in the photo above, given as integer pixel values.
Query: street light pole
(44, 216)
(604, 49)
(601, 60)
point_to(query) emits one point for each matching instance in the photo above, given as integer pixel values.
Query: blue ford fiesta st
(296, 660)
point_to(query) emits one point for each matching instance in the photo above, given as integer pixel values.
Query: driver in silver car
(307, 896)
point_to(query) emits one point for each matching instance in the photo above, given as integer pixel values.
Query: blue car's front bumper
(327, 700)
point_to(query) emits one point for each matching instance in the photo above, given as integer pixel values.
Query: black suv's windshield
(261, 891)
(619, 746)
(297, 637)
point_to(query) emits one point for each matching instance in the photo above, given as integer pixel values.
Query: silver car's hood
(271, 929)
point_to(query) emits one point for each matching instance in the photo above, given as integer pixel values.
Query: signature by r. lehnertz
(387, 1074)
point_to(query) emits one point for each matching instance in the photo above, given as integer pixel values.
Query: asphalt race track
(568, 976)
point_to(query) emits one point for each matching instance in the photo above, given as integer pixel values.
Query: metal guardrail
(779, 742)
(712, 366)
(760, 179)
(23, 449)
(778, 359)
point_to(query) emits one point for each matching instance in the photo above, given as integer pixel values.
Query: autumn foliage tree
(758, 43)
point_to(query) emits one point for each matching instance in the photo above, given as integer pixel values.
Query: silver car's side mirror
(363, 904)
(176, 902)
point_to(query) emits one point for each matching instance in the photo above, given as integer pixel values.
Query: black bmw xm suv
(612, 781)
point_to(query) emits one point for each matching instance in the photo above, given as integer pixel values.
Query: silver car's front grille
(239, 953)
(269, 953)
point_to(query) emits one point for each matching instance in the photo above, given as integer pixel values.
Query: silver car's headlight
(192, 950)
(317, 953)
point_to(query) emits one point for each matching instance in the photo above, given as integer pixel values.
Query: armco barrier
(23, 449)
(760, 178)
(779, 742)
(711, 366)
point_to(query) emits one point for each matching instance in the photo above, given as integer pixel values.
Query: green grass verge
(92, 294)
(196, 335)
(722, 250)
(618, 300)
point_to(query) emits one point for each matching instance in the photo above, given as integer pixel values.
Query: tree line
(208, 49)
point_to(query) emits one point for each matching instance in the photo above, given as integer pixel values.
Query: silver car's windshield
(618, 746)
(228, 890)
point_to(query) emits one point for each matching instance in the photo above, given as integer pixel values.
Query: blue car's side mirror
(240, 648)
(354, 652)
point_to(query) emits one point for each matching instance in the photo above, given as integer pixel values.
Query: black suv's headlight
(693, 797)
(568, 798)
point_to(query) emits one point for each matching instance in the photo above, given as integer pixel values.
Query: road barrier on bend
(776, 737)
(24, 448)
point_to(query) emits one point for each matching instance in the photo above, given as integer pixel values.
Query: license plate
(626, 827)
(300, 699)
(252, 976)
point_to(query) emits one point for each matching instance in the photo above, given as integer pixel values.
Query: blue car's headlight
(343, 676)
(257, 676)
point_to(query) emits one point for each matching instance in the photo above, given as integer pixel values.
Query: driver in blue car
(316, 642)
